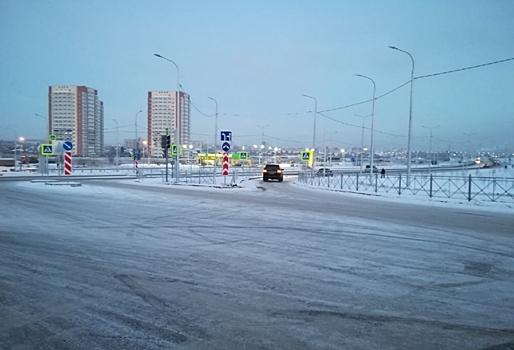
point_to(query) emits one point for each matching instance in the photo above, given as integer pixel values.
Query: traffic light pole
(165, 144)
(167, 162)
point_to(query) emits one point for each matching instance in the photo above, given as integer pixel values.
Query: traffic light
(163, 141)
(168, 141)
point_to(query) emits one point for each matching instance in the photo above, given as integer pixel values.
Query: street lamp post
(145, 151)
(468, 135)
(215, 139)
(177, 162)
(362, 135)
(136, 153)
(43, 166)
(409, 143)
(372, 150)
(430, 145)
(21, 139)
(324, 150)
(262, 135)
(15, 144)
(117, 147)
(314, 129)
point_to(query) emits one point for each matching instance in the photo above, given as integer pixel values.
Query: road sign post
(226, 138)
(305, 156)
(224, 168)
(67, 163)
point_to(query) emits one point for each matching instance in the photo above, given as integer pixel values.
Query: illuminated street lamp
(145, 149)
(21, 139)
(410, 113)
(372, 121)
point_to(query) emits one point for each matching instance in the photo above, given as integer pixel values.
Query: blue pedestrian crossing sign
(243, 155)
(174, 150)
(47, 149)
(305, 156)
(225, 146)
(226, 136)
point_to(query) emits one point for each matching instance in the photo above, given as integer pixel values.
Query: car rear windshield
(272, 167)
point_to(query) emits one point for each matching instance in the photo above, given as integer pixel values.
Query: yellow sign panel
(52, 137)
(46, 149)
(174, 150)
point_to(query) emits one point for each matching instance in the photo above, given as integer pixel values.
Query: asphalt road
(121, 266)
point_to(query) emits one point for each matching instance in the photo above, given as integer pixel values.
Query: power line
(420, 77)
(276, 138)
(199, 111)
(358, 126)
(463, 69)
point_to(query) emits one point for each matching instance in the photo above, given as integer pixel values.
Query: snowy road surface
(124, 266)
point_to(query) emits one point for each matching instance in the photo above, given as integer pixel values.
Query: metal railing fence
(494, 189)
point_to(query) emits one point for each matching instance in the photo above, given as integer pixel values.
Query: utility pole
(117, 146)
(362, 136)
(136, 148)
(430, 147)
(215, 140)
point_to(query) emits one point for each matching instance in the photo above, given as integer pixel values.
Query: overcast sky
(257, 58)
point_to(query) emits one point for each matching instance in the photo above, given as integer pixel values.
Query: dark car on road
(324, 172)
(368, 169)
(272, 171)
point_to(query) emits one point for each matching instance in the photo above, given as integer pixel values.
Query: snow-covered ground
(126, 265)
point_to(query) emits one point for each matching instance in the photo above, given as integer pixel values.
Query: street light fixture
(136, 152)
(117, 146)
(46, 119)
(314, 129)
(372, 151)
(362, 135)
(177, 156)
(410, 114)
(430, 147)
(215, 138)
(262, 127)
(15, 144)
(468, 135)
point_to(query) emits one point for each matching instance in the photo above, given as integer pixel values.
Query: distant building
(168, 109)
(75, 114)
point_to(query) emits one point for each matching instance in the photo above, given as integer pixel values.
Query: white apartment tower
(168, 109)
(76, 115)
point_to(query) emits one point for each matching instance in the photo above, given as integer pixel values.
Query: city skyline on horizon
(257, 60)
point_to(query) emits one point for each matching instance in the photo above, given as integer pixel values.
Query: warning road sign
(225, 165)
(47, 149)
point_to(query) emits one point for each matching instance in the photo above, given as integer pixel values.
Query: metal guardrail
(494, 189)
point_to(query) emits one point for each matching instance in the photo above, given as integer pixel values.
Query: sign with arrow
(225, 146)
(67, 146)
(226, 136)
(225, 165)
